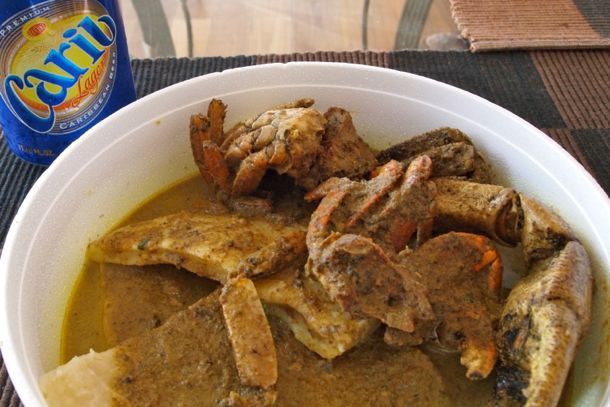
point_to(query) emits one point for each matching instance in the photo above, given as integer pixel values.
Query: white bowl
(144, 147)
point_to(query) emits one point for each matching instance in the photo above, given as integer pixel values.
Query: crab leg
(250, 173)
(199, 125)
(384, 180)
(489, 209)
(207, 154)
(216, 112)
(328, 186)
(319, 223)
(400, 231)
(215, 166)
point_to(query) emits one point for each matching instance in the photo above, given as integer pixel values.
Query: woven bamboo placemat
(564, 93)
(533, 24)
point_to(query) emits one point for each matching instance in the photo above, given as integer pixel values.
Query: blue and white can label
(63, 66)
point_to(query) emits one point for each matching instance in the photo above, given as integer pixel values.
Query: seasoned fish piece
(249, 333)
(210, 245)
(189, 361)
(275, 256)
(316, 321)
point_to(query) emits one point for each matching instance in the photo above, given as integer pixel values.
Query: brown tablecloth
(564, 93)
(533, 24)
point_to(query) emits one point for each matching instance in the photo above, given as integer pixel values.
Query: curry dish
(303, 268)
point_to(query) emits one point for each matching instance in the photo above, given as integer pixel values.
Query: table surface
(176, 28)
(564, 93)
(235, 27)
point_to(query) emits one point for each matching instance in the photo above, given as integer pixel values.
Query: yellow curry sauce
(85, 327)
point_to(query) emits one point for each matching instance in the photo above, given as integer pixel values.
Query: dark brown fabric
(533, 24)
(595, 145)
(579, 84)
(355, 57)
(507, 79)
(597, 14)
(565, 93)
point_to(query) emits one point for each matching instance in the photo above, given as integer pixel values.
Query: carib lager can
(64, 66)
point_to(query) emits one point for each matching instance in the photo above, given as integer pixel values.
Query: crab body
(293, 139)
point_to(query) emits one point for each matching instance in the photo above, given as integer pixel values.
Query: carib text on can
(64, 67)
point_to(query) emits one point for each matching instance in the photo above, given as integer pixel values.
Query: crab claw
(545, 316)
(466, 314)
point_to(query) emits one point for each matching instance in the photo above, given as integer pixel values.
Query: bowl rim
(9, 335)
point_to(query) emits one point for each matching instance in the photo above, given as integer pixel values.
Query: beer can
(64, 67)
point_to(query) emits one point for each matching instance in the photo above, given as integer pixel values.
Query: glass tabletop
(181, 28)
